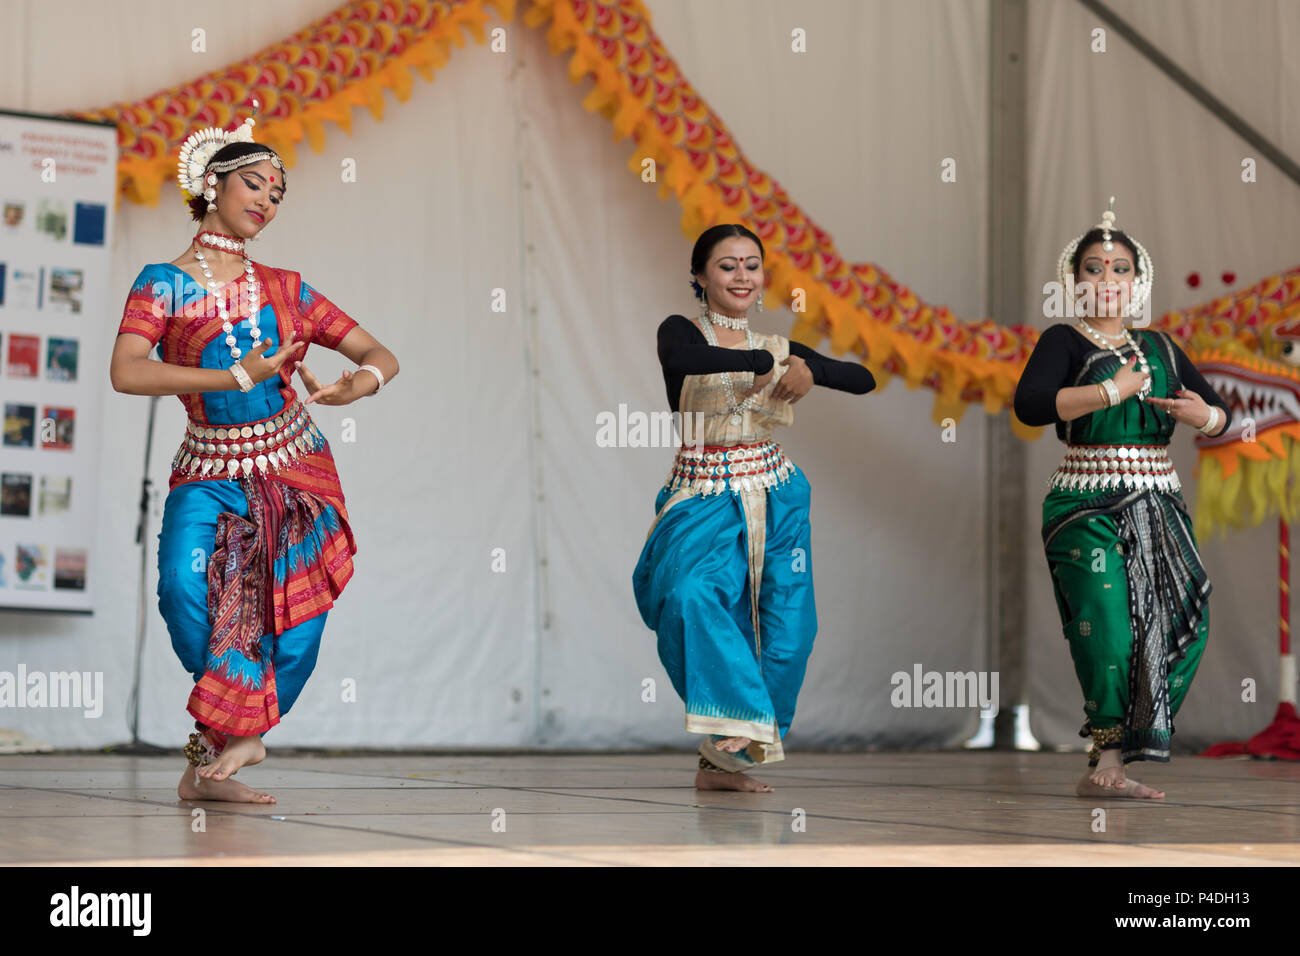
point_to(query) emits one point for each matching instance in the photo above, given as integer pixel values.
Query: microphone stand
(142, 526)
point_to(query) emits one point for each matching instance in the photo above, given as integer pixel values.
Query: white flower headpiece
(1146, 271)
(198, 149)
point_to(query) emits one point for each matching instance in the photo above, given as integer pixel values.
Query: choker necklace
(726, 321)
(1121, 335)
(219, 240)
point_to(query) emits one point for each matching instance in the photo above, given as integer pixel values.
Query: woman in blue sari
(256, 544)
(725, 576)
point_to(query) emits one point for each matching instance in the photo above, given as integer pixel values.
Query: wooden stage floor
(945, 808)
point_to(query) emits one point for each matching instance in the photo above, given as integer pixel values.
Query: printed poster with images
(58, 178)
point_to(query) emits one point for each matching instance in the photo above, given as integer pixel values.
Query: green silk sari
(1128, 578)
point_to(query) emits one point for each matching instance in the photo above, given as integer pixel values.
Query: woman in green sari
(1128, 579)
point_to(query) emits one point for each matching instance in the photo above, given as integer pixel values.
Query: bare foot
(193, 787)
(239, 752)
(705, 780)
(731, 745)
(1107, 779)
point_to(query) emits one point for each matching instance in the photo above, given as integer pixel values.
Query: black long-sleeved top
(683, 350)
(1061, 352)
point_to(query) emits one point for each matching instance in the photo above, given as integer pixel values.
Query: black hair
(704, 245)
(1096, 235)
(198, 205)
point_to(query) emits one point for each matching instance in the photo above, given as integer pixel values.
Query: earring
(760, 301)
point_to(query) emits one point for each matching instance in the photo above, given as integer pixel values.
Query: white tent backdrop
(494, 177)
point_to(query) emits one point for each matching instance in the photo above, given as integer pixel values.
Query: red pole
(1284, 590)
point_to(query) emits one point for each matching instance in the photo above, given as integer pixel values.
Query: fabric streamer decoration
(344, 60)
(348, 58)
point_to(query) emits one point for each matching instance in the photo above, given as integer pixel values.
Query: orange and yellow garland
(344, 60)
(348, 58)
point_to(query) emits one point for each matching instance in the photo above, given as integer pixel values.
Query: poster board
(58, 180)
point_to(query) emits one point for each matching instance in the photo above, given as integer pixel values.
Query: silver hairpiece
(198, 149)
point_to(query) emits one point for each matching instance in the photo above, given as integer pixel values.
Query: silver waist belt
(1108, 467)
(227, 450)
(713, 469)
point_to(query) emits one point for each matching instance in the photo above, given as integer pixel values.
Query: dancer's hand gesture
(259, 369)
(1189, 408)
(796, 382)
(342, 392)
(1128, 379)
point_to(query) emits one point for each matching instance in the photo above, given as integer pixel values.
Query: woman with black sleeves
(1129, 583)
(725, 577)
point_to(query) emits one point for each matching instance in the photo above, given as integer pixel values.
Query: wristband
(1112, 390)
(378, 374)
(242, 377)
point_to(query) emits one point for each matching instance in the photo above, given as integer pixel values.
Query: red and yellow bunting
(348, 58)
(317, 76)
(859, 306)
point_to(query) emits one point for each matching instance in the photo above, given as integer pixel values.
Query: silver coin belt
(713, 469)
(1104, 467)
(229, 450)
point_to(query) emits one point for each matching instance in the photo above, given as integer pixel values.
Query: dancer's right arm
(683, 350)
(1041, 396)
(133, 372)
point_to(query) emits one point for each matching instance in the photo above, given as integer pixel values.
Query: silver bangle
(1212, 423)
(242, 377)
(1112, 390)
(378, 374)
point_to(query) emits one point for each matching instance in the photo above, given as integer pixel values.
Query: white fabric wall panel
(1243, 52)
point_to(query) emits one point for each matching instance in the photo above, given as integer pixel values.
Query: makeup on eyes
(258, 185)
(1094, 265)
(729, 262)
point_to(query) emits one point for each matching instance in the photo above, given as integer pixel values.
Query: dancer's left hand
(1189, 408)
(342, 392)
(796, 382)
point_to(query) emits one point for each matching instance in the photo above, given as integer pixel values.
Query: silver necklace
(726, 321)
(737, 409)
(254, 304)
(1092, 330)
(1101, 339)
